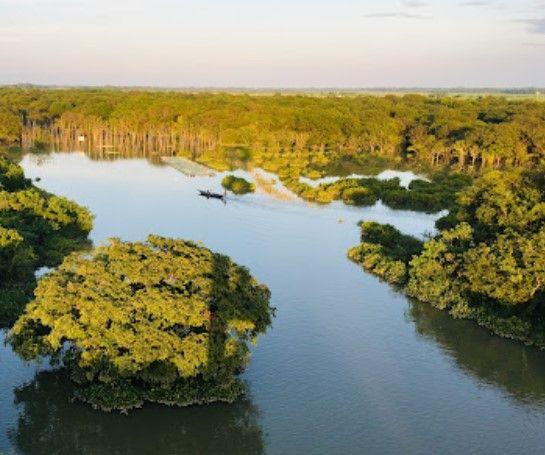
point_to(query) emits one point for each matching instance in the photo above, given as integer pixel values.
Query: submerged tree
(164, 321)
(307, 134)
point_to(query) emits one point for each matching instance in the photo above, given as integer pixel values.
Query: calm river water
(348, 367)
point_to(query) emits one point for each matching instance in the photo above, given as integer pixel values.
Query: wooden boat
(210, 195)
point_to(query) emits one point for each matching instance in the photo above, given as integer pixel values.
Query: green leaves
(510, 270)
(488, 264)
(306, 133)
(501, 201)
(143, 314)
(237, 185)
(501, 258)
(10, 127)
(436, 276)
(385, 252)
(12, 177)
(36, 229)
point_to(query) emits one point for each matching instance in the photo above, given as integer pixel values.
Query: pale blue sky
(282, 43)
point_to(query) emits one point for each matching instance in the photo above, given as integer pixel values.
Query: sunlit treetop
(155, 313)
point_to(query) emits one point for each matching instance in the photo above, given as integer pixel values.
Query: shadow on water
(233, 296)
(49, 423)
(216, 341)
(515, 369)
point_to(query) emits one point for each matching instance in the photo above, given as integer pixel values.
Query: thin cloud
(536, 26)
(415, 4)
(475, 3)
(27, 3)
(490, 4)
(393, 15)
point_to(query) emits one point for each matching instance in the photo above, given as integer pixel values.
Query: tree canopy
(489, 263)
(37, 229)
(304, 133)
(165, 321)
(237, 185)
(421, 195)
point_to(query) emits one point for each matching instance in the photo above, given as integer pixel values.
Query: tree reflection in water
(516, 369)
(50, 423)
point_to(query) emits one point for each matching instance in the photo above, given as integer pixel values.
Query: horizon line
(523, 89)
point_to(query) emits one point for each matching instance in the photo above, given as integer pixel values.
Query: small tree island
(237, 185)
(165, 321)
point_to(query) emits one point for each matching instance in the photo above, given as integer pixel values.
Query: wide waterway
(349, 366)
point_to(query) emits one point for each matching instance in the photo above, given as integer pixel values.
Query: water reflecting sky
(350, 366)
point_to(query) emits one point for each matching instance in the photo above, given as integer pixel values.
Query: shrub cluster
(422, 196)
(237, 185)
(385, 251)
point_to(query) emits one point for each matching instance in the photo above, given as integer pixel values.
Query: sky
(274, 43)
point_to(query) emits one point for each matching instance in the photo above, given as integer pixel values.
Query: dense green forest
(307, 135)
(37, 229)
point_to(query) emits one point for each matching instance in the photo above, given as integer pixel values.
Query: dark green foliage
(448, 221)
(385, 251)
(237, 185)
(12, 177)
(488, 263)
(14, 295)
(429, 197)
(436, 275)
(421, 196)
(375, 259)
(123, 395)
(165, 321)
(362, 196)
(37, 229)
(10, 126)
(397, 245)
(16, 257)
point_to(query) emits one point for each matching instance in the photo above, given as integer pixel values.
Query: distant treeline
(319, 132)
